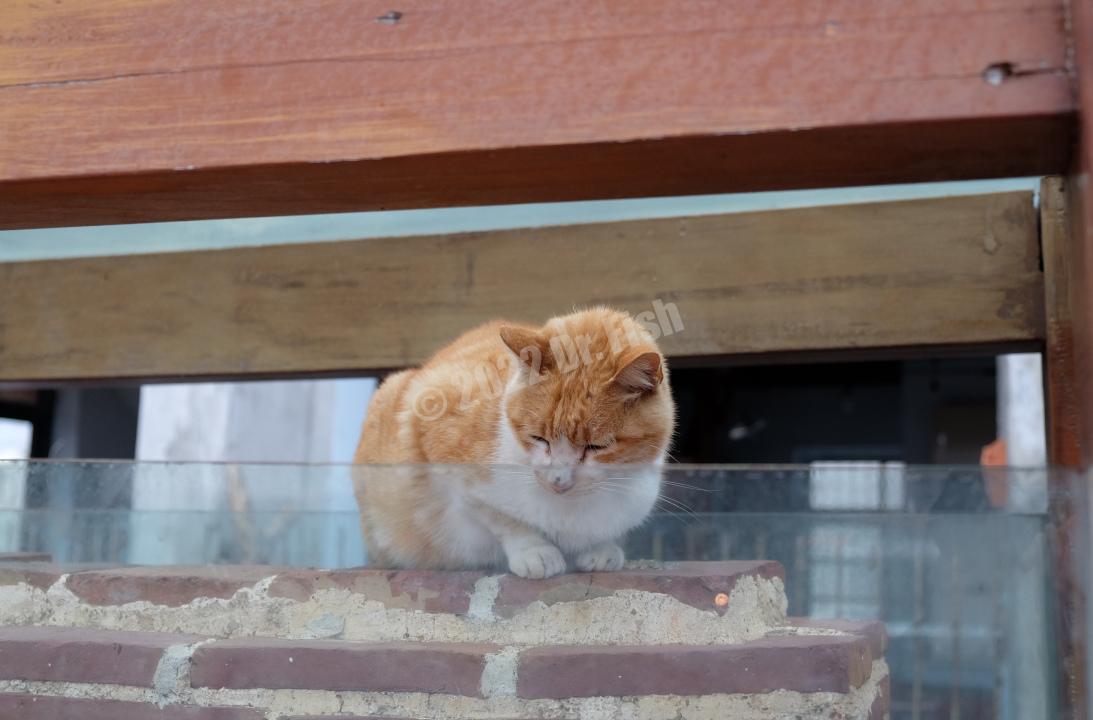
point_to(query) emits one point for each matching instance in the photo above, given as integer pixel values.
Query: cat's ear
(530, 348)
(640, 374)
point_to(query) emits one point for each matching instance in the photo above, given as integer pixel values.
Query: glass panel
(957, 562)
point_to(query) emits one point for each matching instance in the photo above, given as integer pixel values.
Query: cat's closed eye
(546, 442)
(594, 448)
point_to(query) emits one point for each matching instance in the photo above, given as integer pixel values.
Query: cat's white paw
(607, 556)
(537, 561)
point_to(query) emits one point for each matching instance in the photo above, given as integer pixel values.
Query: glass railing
(964, 565)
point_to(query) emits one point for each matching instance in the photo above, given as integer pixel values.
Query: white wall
(15, 437)
(309, 421)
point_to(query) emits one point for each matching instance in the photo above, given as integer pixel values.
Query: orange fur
(584, 390)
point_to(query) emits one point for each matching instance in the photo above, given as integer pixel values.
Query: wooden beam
(1066, 411)
(934, 272)
(1068, 267)
(1079, 246)
(131, 111)
(1066, 441)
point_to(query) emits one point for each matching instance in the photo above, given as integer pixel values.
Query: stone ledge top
(34, 573)
(703, 585)
(873, 631)
(172, 586)
(698, 584)
(16, 557)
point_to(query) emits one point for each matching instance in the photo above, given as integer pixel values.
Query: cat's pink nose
(561, 482)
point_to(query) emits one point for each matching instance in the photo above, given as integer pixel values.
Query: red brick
(79, 655)
(171, 586)
(425, 590)
(872, 630)
(36, 574)
(693, 583)
(25, 557)
(449, 668)
(45, 707)
(797, 663)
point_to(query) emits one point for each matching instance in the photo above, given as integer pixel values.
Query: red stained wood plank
(128, 111)
(1080, 247)
(1068, 275)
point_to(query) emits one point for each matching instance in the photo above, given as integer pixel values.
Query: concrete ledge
(422, 590)
(697, 584)
(39, 575)
(702, 585)
(25, 557)
(691, 603)
(872, 630)
(169, 586)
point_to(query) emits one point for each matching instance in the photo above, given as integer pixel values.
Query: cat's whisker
(610, 484)
(673, 483)
(667, 454)
(607, 488)
(686, 486)
(672, 502)
(681, 517)
(606, 491)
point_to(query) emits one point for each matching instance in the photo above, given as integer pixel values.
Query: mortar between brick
(172, 676)
(484, 596)
(499, 674)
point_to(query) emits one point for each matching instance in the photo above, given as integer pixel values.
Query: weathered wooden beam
(1079, 245)
(1065, 366)
(1066, 441)
(935, 272)
(1068, 268)
(128, 111)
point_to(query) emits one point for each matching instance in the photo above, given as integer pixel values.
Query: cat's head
(590, 388)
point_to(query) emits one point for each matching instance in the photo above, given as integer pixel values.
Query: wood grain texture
(960, 270)
(1079, 189)
(1070, 376)
(1067, 447)
(122, 111)
(1065, 409)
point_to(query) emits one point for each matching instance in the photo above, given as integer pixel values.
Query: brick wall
(684, 640)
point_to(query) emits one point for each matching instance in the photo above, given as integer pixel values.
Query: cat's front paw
(537, 561)
(606, 556)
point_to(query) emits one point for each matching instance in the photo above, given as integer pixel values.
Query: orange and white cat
(550, 409)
